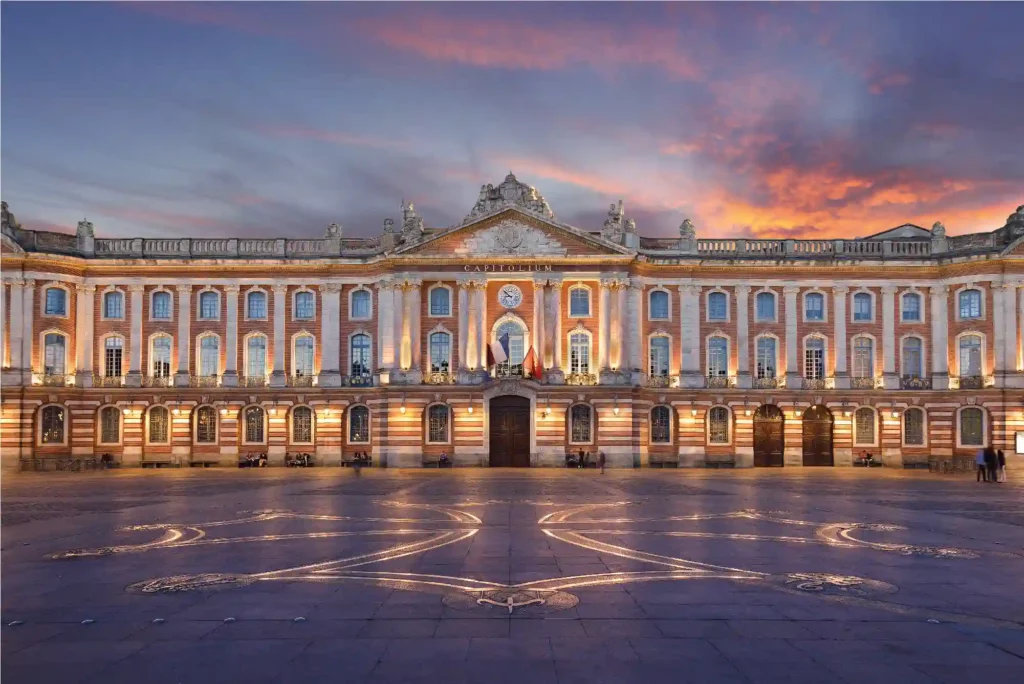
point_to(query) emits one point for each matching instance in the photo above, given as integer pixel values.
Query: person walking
(600, 461)
(990, 463)
(982, 470)
(1000, 466)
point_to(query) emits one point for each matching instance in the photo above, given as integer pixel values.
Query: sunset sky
(274, 119)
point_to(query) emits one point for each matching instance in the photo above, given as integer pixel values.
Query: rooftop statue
(613, 224)
(510, 193)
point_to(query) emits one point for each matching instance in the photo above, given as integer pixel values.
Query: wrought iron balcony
(719, 381)
(815, 383)
(157, 381)
(55, 380)
(972, 382)
(360, 380)
(301, 380)
(658, 381)
(765, 383)
(513, 371)
(863, 383)
(914, 382)
(204, 381)
(253, 381)
(108, 381)
(438, 378)
(580, 379)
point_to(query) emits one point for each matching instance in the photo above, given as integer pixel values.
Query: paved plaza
(294, 575)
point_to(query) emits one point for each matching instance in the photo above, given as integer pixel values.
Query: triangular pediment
(511, 232)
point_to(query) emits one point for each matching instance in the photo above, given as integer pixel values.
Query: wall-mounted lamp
(327, 411)
(401, 408)
(746, 409)
(615, 410)
(846, 411)
(895, 413)
(547, 409)
(469, 409)
(693, 410)
(223, 412)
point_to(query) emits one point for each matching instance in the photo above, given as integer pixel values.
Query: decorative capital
(385, 284)
(540, 284)
(635, 284)
(940, 290)
(280, 288)
(889, 289)
(185, 289)
(232, 288)
(689, 289)
(29, 282)
(86, 288)
(330, 288)
(841, 290)
(791, 290)
(742, 289)
(136, 287)
(14, 282)
(556, 285)
(1010, 287)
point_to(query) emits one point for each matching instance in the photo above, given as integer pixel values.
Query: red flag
(532, 365)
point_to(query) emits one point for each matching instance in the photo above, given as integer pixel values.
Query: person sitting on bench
(442, 460)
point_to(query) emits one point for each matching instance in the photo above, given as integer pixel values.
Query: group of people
(253, 461)
(991, 465)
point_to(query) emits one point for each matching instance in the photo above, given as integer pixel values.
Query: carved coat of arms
(512, 238)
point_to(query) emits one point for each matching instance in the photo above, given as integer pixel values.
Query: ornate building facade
(906, 344)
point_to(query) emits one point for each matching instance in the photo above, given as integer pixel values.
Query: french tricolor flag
(498, 351)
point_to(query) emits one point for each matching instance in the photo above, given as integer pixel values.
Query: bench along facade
(511, 339)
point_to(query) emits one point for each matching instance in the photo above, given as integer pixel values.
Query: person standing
(991, 462)
(1000, 466)
(600, 461)
(982, 470)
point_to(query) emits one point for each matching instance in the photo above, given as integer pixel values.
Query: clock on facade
(510, 296)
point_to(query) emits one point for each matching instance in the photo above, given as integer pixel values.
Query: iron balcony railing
(658, 381)
(108, 381)
(862, 383)
(157, 380)
(914, 382)
(438, 378)
(358, 380)
(253, 381)
(580, 379)
(765, 383)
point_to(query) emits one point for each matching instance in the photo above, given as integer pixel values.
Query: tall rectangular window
(970, 355)
(440, 352)
(970, 304)
(113, 305)
(209, 305)
(304, 355)
(256, 357)
(911, 310)
(437, 418)
(440, 302)
(814, 307)
(814, 359)
(862, 306)
(361, 304)
(579, 302)
(112, 351)
(718, 357)
(718, 306)
(161, 306)
(659, 363)
(579, 353)
(161, 362)
(765, 302)
(766, 367)
(863, 358)
(56, 302)
(54, 354)
(913, 363)
(209, 356)
(659, 305)
(256, 305)
(305, 306)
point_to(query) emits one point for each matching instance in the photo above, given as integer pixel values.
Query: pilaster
(28, 298)
(538, 319)
(84, 333)
(230, 376)
(793, 377)
(839, 294)
(13, 376)
(604, 326)
(279, 377)
(184, 313)
(330, 335)
(134, 376)
(1014, 373)
(940, 336)
(889, 377)
(743, 378)
(690, 375)
(635, 330)
(556, 376)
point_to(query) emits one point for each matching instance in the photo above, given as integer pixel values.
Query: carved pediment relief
(511, 238)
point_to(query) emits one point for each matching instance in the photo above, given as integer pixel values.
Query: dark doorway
(818, 436)
(510, 432)
(769, 438)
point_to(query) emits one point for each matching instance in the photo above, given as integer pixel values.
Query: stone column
(17, 328)
(385, 326)
(1011, 356)
(28, 301)
(330, 335)
(279, 378)
(839, 293)
(482, 336)
(557, 343)
(134, 376)
(889, 377)
(690, 374)
(84, 334)
(230, 376)
(415, 294)
(472, 327)
(464, 323)
(604, 326)
(793, 377)
(538, 319)
(635, 328)
(184, 313)
(619, 334)
(743, 377)
(405, 339)
(940, 337)
(3, 324)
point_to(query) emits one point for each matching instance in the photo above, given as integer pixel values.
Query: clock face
(510, 296)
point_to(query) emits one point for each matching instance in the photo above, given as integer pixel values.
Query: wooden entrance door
(818, 436)
(510, 432)
(769, 437)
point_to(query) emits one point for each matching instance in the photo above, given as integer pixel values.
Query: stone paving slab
(492, 576)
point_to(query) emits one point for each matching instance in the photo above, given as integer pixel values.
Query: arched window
(913, 427)
(659, 305)
(661, 425)
(862, 307)
(55, 354)
(51, 428)
(863, 357)
(766, 358)
(56, 302)
(581, 424)
(256, 357)
(302, 425)
(814, 306)
(970, 356)
(359, 425)
(438, 424)
(209, 306)
(912, 358)
(360, 354)
(161, 306)
(440, 301)
(254, 418)
(718, 425)
(256, 305)
(718, 357)
(579, 353)
(305, 306)
(160, 356)
(159, 425)
(516, 348)
(113, 305)
(972, 427)
(206, 425)
(659, 356)
(718, 306)
(209, 355)
(360, 305)
(866, 427)
(303, 359)
(113, 352)
(765, 306)
(910, 310)
(110, 425)
(440, 351)
(579, 302)
(814, 358)
(970, 304)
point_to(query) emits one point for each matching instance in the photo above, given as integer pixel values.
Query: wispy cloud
(335, 137)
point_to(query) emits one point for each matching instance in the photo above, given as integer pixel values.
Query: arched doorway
(510, 432)
(769, 438)
(817, 427)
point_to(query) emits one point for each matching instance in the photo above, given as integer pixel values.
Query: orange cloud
(516, 44)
